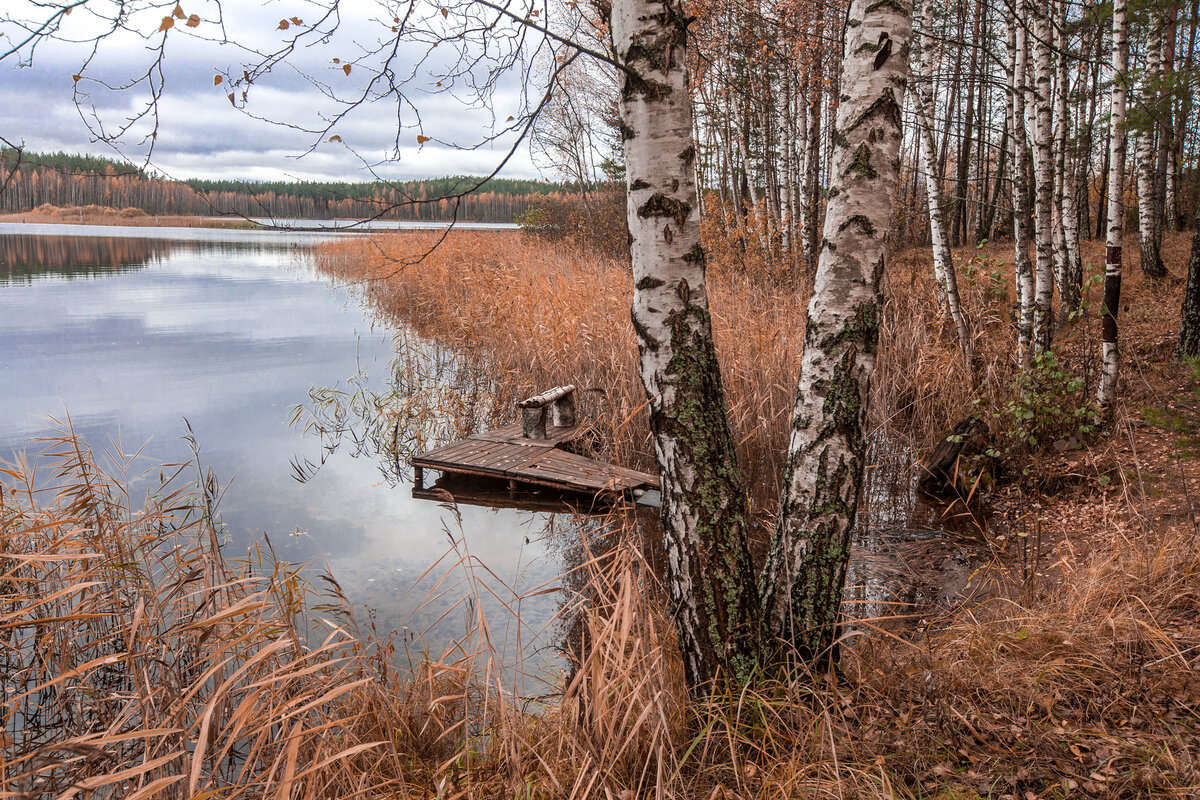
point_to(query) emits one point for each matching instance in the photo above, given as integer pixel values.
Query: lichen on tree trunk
(805, 571)
(704, 510)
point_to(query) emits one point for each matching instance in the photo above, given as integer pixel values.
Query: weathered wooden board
(505, 453)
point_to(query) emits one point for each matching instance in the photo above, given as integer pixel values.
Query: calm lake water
(132, 330)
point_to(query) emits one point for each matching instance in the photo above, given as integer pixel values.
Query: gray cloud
(201, 135)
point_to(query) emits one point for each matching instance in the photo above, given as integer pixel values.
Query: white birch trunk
(943, 260)
(1149, 201)
(704, 513)
(1022, 268)
(806, 565)
(1071, 273)
(1110, 361)
(1043, 183)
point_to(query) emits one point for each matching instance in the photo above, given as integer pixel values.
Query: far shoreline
(68, 216)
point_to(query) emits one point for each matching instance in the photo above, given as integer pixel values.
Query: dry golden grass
(93, 214)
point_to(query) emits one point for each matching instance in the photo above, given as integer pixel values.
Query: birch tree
(1070, 272)
(1150, 201)
(1022, 268)
(1043, 160)
(805, 571)
(1110, 356)
(704, 510)
(943, 260)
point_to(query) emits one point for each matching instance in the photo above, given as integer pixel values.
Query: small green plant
(1181, 420)
(987, 269)
(1049, 405)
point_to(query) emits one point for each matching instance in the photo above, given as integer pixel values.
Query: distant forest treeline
(28, 180)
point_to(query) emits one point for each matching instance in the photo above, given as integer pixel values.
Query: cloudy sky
(201, 134)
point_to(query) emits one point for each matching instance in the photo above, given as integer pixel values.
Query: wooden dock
(533, 452)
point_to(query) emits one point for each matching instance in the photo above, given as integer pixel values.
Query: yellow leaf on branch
(346, 68)
(166, 24)
(193, 21)
(422, 139)
(217, 80)
(178, 12)
(335, 138)
(284, 24)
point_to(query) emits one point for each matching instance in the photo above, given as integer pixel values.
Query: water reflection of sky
(231, 333)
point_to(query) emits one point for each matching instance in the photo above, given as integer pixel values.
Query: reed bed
(139, 663)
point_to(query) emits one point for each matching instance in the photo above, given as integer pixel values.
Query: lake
(132, 330)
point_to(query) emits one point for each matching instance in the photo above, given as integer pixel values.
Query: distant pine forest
(29, 180)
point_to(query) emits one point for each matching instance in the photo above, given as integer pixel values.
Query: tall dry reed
(139, 663)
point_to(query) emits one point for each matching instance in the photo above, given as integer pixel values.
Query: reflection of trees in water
(911, 554)
(432, 396)
(24, 257)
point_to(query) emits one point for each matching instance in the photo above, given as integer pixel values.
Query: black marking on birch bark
(660, 205)
(685, 292)
(1112, 302)
(638, 184)
(865, 226)
(626, 130)
(668, 237)
(842, 404)
(885, 49)
(688, 156)
(649, 282)
(853, 23)
(695, 255)
(885, 105)
(646, 340)
(637, 86)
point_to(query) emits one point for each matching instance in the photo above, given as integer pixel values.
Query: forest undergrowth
(139, 663)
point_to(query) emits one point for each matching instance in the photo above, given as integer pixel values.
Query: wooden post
(561, 403)
(562, 411)
(533, 423)
(418, 477)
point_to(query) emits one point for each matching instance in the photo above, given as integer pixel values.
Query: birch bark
(943, 261)
(805, 571)
(704, 511)
(1109, 356)
(1023, 269)
(1149, 199)
(1071, 272)
(1043, 182)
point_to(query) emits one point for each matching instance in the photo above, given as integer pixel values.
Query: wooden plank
(505, 453)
